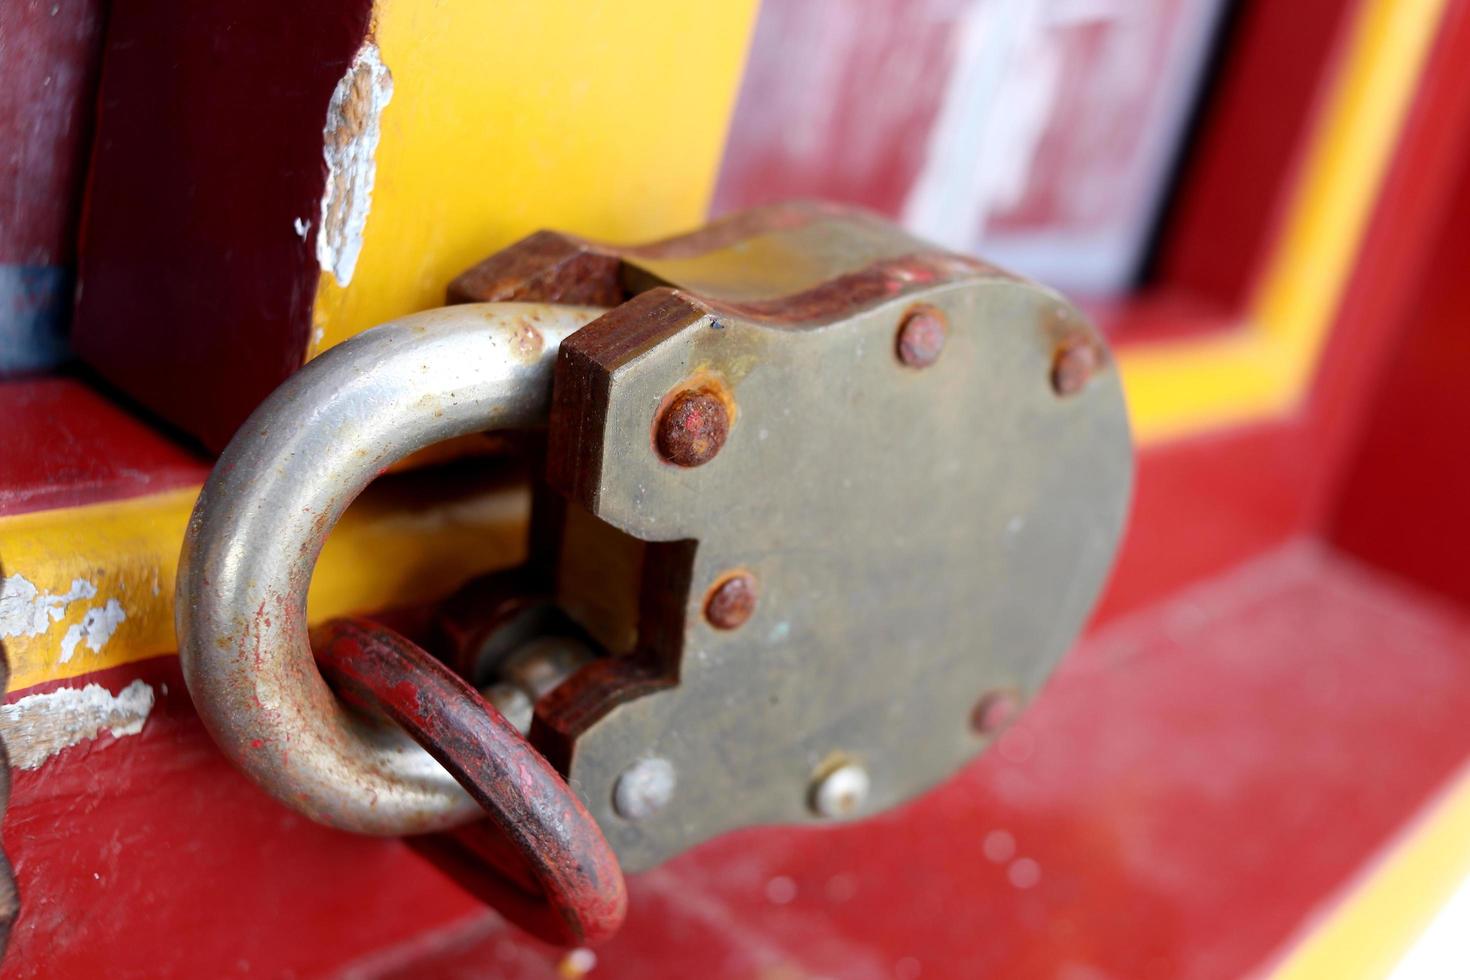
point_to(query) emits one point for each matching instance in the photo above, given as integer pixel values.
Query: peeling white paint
(350, 144)
(301, 226)
(996, 105)
(38, 726)
(27, 611)
(95, 629)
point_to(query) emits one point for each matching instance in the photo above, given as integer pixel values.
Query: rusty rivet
(692, 427)
(994, 712)
(921, 336)
(731, 602)
(1075, 362)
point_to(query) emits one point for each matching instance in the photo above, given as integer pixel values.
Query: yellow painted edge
(1265, 368)
(598, 119)
(1372, 928)
(112, 568)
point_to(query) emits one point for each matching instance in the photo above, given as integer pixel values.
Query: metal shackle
(259, 524)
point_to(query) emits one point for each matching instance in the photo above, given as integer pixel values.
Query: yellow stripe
(391, 549)
(1265, 368)
(1381, 917)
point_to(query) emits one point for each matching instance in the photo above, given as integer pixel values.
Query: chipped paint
(996, 106)
(1057, 125)
(385, 552)
(350, 144)
(38, 726)
(26, 610)
(95, 629)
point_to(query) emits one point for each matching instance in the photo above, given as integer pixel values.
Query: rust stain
(527, 343)
(1074, 363)
(921, 336)
(693, 423)
(731, 601)
(995, 711)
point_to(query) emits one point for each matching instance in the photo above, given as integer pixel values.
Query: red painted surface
(852, 103)
(1392, 396)
(195, 288)
(48, 67)
(149, 855)
(1239, 174)
(1203, 505)
(62, 444)
(1405, 500)
(1196, 780)
(862, 85)
(48, 74)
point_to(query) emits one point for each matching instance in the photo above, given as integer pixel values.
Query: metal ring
(583, 897)
(259, 524)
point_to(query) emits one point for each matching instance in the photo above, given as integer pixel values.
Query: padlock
(821, 506)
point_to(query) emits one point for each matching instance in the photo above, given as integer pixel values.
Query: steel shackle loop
(263, 515)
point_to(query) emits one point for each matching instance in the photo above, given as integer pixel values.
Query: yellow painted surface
(1376, 922)
(1265, 368)
(604, 119)
(390, 549)
(601, 119)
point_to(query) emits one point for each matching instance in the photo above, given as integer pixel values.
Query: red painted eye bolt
(538, 825)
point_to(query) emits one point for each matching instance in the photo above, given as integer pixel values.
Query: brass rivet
(692, 427)
(921, 336)
(731, 602)
(1075, 361)
(995, 711)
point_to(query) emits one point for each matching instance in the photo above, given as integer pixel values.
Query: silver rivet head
(841, 792)
(513, 703)
(644, 789)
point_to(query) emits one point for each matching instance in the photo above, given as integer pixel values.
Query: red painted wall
(1405, 498)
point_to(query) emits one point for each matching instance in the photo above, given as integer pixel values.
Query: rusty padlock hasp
(262, 517)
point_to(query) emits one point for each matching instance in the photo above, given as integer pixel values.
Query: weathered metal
(260, 522)
(528, 672)
(920, 537)
(548, 830)
(692, 427)
(513, 704)
(1077, 360)
(731, 601)
(995, 711)
(921, 336)
(644, 788)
